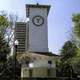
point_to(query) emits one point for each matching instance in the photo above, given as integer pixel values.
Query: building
(33, 53)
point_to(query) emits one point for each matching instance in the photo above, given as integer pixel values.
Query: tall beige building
(38, 33)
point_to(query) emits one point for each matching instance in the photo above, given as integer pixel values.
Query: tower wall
(38, 35)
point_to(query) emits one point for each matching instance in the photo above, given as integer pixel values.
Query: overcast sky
(59, 19)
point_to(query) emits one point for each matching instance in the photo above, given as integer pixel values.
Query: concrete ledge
(47, 78)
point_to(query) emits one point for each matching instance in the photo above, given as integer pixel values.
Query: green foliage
(9, 70)
(4, 46)
(76, 20)
(3, 21)
(68, 50)
(76, 58)
(76, 61)
(4, 49)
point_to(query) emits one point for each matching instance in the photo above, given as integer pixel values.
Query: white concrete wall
(37, 72)
(43, 63)
(38, 35)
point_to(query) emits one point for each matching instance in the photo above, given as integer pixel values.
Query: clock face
(38, 20)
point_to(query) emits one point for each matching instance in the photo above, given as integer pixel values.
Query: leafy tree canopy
(4, 46)
(3, 21)
(76, 20)
(68, 50)
(4, 24)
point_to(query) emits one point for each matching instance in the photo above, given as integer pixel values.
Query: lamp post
(16, 44)
(49, 70)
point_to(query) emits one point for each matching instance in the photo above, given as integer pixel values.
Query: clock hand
(38, 19)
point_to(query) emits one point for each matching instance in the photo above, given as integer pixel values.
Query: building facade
(33, 53)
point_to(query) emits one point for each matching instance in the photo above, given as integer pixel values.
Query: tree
(6, 30)
(68, 52)
(76, 62)
(76, 20)
(4, 46)
(4, 49)
(4, 23)
(76, 59)
(7, 25)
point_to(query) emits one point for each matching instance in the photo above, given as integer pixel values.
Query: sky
(59, 18)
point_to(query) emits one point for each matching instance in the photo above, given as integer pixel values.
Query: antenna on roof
(37, 3)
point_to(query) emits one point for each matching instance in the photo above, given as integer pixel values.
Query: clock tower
(37, 27)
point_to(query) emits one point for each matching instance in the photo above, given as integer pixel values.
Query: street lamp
(16, 44)
(49, 70)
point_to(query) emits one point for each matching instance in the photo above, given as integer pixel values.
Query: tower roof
(38, 6)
